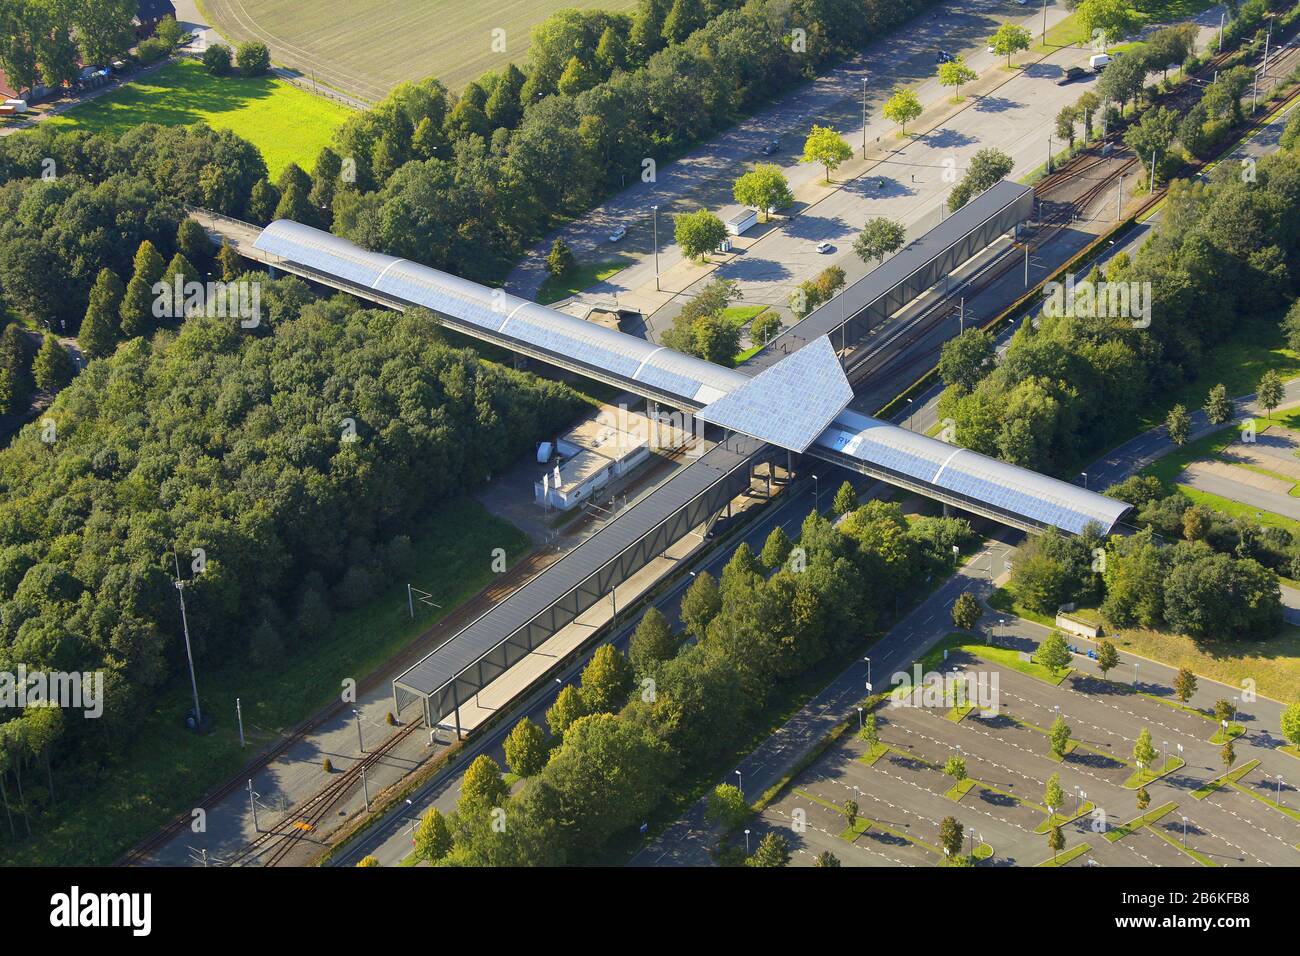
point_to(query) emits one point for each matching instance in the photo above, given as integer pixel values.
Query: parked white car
(618, 234)
(825, 247)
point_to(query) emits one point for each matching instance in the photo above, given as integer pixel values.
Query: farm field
(366, 47)
(287, 124)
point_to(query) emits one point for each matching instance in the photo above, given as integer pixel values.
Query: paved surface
(1150, 446)
(688, 842)
(705, 174)
(906, 790)
(1014, 112)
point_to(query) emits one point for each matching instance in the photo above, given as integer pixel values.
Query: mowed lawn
(366, 47)
(286, 123)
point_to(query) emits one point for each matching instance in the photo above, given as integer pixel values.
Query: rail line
(508, 582)
(293, 827)
(304, 819)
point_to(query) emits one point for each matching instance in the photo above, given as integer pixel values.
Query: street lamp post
(817, 494)
(746, 843)
(1184, 833)
(868, 660)
(655, 210)
(1085, 479)
(864, 117)
(252, 803)
(740, 783)
(189, 654)
(360, 743)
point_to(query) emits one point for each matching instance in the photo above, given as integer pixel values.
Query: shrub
(152, 50)
(253, 58)
(216, 59)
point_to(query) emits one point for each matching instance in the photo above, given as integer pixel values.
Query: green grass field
(169, 768)
(584, 275)
(1070, 31)
(286, 123)
(366, 47)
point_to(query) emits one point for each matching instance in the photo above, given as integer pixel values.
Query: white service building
(600, 449)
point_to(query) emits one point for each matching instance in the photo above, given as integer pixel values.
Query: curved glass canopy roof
(502, 314)
(798, 403)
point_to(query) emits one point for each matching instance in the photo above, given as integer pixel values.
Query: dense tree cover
(17, 381)
(195, 164)
(463, 182)
(625, 741)
(61, 235)
(1069, 384)
(41, 41)
(1216, 576)
(296, 457)
(1211, 578)
(57, 236)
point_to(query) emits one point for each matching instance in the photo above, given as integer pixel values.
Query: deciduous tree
(824, 145)
(903, 107)
(879, 238)
(525, 749)
(765, 188)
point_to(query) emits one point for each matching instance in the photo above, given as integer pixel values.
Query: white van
(1098, 61)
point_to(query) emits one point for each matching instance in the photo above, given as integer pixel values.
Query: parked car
(618, 234)
(1099, 61)
(772, 147)
(940, 56)
(825, 247)
(1070, 75)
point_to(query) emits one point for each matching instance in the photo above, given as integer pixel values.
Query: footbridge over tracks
(796, 402)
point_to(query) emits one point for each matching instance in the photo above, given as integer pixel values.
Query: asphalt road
(1229, 826)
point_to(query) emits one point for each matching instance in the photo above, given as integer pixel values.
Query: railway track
(305, 818)
(293, 827)
(446, 627)
(311, 812)
(1060, 204)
